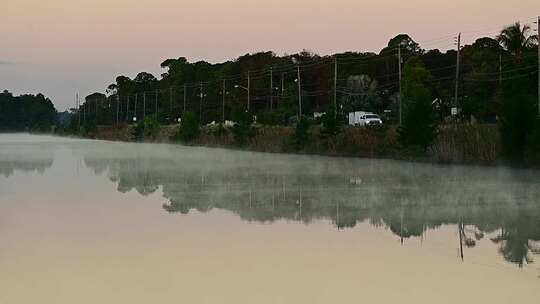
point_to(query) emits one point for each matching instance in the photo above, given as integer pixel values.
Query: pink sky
(60, 47)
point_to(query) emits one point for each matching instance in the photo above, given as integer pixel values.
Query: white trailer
(364, 119)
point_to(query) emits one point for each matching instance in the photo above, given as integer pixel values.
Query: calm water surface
(99, 222)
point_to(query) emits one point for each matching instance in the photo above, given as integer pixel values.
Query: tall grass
(467, 144)
(455, 144)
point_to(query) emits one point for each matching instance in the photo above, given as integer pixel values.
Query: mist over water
(134, 222)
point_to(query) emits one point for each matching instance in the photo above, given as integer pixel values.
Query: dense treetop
(365, 80)
(26, 112)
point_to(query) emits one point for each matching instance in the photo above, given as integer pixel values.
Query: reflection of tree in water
(519, 238)
(407, 199)
(24, 161)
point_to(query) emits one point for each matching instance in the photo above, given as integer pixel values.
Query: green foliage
(138, 131)
(88, 128)
(217, 130)
(271, 118)
(516, 39)
(330, 125)
(517, 119)
(419, 127)
(148, 128)
(533, 152)
(242, 130)
(364, 95)
(151, 127)
(301, 134)
(26, 113)
(189, 127)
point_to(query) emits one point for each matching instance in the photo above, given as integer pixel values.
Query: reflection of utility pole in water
(127, 109)
(284, 190)
(250, 197)
(461, 232)
(156, 103)
(200, 103)
(401, 226)
(337, 215)
(300, 204)
(78, 112)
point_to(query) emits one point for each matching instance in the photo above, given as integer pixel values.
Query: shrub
(151, 127)
(88, 128)
(330, 125)
(242, 129)
(216, 130)
(419, 124)
(277, 117)
(189, 127)
(419, 127)
(270, 118)
(138, 131)
(146, 128)
(301, 133)
(517, 120)
(533, 151)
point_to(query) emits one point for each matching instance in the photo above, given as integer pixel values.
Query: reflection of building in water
(408, 199)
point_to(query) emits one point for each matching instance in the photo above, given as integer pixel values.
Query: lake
(85, 221)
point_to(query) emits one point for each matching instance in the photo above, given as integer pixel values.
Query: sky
(61, 47)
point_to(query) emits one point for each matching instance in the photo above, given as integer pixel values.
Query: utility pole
(185, 97)
(200, 104)
(117, 107)
(157, 103)
(78, 111)
(223, 102)
(249, 90)
(144, 105)
(400, 87)
(135, 111)
(457, 71)
(127, 109)
(335, 85)
(271, 88)
(282, 84)
(538, 40)
(299, 93)
(170, 102)
(500, 69)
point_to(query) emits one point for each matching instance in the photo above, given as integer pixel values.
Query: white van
(363, 119)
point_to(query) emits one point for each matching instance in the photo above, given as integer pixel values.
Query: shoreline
(470, 145)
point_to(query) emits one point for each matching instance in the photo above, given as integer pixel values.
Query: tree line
(26, 113)
(365, 80)
(496, 83)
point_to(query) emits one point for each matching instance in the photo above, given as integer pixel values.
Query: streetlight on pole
(271, 88)
(298, 80)
(237, 86)
(201, 103)
(223, 101)
(400, 87)
(335, 85)
(454, 110)
(538, 40)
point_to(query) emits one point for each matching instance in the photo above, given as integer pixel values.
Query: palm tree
(516, 39)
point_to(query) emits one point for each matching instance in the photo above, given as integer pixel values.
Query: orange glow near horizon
(82, 45)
